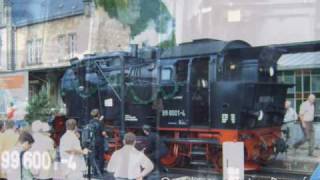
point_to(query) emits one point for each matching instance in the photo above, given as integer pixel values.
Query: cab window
(181, 70)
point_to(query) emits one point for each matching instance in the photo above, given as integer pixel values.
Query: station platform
(296, 160)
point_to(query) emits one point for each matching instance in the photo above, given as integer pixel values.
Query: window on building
(29, 52)
(67, 46)
(62, 47)
(289, 78)
(306, 82)
(34, 51)
(38, 49)
(72, 44)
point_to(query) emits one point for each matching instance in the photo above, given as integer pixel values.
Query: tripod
(92, 165)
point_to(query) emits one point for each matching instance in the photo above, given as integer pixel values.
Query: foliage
(39, 107)
(137, 14)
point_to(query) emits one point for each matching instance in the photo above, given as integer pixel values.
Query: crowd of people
(23, 152)
(29, 153)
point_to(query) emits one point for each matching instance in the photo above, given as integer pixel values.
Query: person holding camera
(99, 136)
(128, 163)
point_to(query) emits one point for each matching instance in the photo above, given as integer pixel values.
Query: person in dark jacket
(99, 134)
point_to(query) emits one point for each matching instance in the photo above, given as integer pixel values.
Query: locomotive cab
(232, 87)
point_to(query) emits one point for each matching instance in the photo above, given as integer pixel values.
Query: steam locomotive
(197, 95)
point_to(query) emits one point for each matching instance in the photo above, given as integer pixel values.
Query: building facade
(40, 38)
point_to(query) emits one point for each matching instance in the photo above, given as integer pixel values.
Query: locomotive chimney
(133, 50)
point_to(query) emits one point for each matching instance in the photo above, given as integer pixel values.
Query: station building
(302, 70)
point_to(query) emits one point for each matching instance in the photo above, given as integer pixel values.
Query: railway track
(208, 174)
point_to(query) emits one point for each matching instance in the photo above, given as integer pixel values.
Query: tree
(39, 107)
(137, 14)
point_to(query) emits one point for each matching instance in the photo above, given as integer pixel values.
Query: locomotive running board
(192, 140)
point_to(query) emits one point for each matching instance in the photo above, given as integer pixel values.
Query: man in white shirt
(126, 163)
(72, 160)
(306, 115)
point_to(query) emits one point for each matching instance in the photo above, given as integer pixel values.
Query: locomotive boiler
(197, 95)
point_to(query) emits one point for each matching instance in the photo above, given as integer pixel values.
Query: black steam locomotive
(197, 95)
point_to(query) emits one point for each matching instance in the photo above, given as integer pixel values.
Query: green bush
(39, 107)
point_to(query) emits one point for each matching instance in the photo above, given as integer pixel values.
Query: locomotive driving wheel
(266, 154)
(172, 157)
(176, 156)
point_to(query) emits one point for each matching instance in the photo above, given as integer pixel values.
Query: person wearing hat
(99, 134)
(44, 146)
(156, 148)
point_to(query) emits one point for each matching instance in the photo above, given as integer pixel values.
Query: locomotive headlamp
(232, 66)
(271, 71)
(261, 115)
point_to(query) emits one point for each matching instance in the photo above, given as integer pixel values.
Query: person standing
(99, 136)
(72, 159)
(126, 163)
(306, 116)
(289, 119)
(156, 148)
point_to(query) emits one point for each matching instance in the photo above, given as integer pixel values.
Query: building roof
(26, 12)
(305, 60)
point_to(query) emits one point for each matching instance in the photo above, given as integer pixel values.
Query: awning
(306, 60)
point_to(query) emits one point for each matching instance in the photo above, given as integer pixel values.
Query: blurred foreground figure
(72, 159)
(126, 163)
(9, 139)
(43, 146)
(17, 169)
